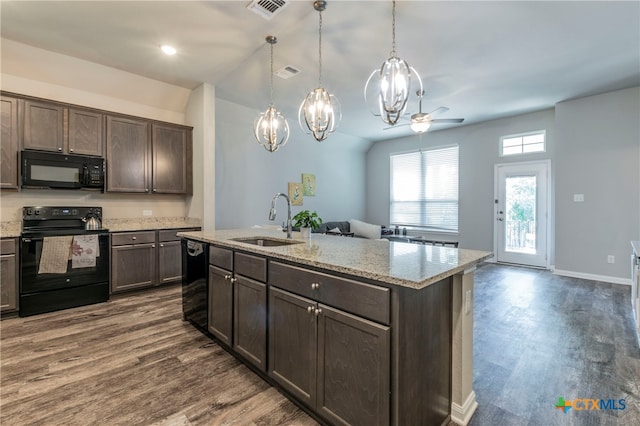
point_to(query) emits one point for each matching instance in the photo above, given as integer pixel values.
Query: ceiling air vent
(267, 8)
(287, 71)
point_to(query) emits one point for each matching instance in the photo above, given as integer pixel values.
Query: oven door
(37, 277)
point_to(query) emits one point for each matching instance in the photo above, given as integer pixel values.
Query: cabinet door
(169, 262)
(171, 159)
(86, 134)
(43, 126)
(132, 266)
(353, 369)
(127, 155)
(220, 304)
(250, 320)
(9, 145)
(293, 344)
(8, 283)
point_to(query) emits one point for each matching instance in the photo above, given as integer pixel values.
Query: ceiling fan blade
(396, 126)
(440, 110)
(447, 120)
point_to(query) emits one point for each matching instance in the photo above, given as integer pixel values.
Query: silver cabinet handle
(318, 311)
(310, 309)
(161, 245)
(146, 190)
(70, 149)
(133, 238)
(154, 190)
(59, 149)
(315, 286)
(153, 246)
(226, 277)
(233, 280)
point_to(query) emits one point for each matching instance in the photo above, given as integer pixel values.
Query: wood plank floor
(133, 361)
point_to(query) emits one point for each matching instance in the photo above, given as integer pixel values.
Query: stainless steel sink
(266, 241)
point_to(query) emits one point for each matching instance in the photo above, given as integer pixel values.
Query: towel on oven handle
(55, 255)
(84, 250)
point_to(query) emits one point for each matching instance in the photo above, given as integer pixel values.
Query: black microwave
(63, 171)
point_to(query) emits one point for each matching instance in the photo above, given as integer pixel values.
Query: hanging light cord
(320, 51)
(271, 77)
(393, 30)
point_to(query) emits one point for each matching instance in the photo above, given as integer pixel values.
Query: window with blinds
(424, 189)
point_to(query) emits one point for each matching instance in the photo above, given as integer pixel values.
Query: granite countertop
(150, 223)
(14, 228)
(10, 228)
(398, 263)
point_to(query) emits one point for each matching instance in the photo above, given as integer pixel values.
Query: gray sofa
(327, 226)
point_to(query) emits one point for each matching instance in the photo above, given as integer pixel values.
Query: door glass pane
(520, 214)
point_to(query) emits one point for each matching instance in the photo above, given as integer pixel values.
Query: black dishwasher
(195, 269)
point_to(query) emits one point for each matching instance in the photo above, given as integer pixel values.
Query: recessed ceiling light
(168, 50)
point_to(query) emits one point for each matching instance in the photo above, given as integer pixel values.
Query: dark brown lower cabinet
(336, 363)
(169, 262)
(250, 320)
(221, 304)
(132, 266)
(10, 272)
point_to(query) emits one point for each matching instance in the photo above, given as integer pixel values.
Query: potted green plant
(306, 221)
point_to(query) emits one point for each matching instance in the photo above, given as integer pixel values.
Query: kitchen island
(356, 331)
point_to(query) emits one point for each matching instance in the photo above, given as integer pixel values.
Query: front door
(521, 201)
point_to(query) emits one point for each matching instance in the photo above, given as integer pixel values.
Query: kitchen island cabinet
(221, 294)
(366, 332)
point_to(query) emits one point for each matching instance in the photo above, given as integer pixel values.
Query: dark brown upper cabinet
(148, 158)
(171, 168)
(128, 160)
(9, 146)
(50, 126)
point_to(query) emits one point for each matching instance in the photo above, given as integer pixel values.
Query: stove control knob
(37, 212)
(29, 212)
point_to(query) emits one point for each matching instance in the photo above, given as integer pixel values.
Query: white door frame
(546, 216)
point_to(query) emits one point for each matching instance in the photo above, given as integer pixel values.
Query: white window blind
(424, 189)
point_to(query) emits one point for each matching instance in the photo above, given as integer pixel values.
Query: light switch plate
(578, 198)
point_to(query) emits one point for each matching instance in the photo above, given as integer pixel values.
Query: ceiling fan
(421, 121)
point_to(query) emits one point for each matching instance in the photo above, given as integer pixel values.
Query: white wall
(594, 146)
(479, 152)
(35, 72)
(597, 155)
(248, 176)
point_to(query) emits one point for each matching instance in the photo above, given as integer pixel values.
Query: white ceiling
(483, 60)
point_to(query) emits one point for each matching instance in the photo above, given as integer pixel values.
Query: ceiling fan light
(420, 126)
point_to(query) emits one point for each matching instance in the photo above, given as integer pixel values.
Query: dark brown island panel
(348, 349)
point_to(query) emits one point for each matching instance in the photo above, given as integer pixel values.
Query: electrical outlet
(147, 212)
(611, 259)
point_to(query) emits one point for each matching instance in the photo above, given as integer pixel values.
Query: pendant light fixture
(271, 128)
(320, 112)
(393, 82)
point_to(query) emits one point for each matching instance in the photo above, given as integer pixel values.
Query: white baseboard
(461, 414)
(593, 277)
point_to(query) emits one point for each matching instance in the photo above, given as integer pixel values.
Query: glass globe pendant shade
(319, 113)
(394, 83)
(271, 129)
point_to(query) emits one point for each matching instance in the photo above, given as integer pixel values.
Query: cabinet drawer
(221, 257)
(126, 238)
(8, 246)
(169, 235)
(368, 301)
(251, 266)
